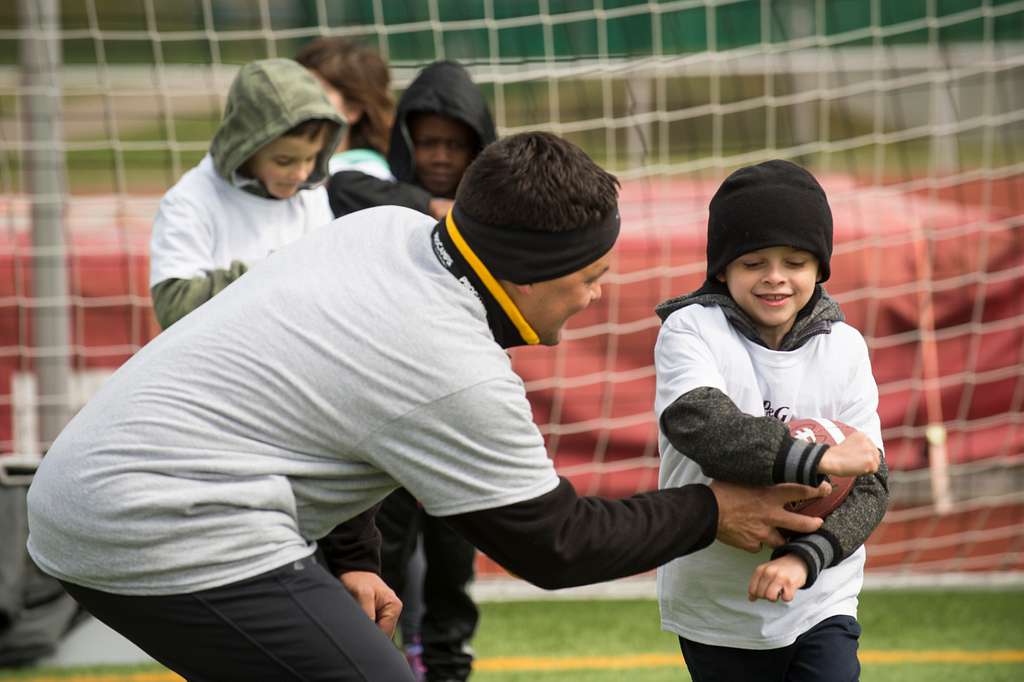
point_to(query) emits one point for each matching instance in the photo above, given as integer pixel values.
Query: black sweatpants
(295, 623)
(825, 653)
(449, 614)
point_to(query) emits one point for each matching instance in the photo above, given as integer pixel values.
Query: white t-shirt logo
(780, 413)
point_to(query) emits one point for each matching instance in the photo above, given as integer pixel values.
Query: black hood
(440, 88)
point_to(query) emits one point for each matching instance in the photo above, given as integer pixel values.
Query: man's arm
(352, 552)
(353, 545)
(561, 540)
(175, 298)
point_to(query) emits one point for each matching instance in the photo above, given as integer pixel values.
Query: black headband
(524, 256)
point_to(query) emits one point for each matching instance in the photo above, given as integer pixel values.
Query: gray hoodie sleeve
(729, 445)
(175, 298)
(845, 529)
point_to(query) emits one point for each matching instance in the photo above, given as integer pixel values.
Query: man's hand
(750, 516)
(377, 600)
(855, 456)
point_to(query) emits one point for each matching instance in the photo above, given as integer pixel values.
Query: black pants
(295, 623)
(825, 653)
(449, 614)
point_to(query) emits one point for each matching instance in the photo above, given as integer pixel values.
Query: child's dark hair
(362, 77)
(537, 181)
(310, 128)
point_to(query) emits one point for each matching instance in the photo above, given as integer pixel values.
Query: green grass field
(909, 636)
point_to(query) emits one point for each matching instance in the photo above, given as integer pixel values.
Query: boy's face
(772, 285)
(284, 164)
(548, 305)
(442, 149)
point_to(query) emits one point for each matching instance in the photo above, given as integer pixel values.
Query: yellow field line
(632, 662)
(627, 662)
(942, 656)
(624, 662)
(157, 676)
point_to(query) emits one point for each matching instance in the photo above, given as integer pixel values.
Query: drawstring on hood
(268, 98)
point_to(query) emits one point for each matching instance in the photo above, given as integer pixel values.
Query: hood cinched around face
(441, 88)
(267, 98)
(817, 317)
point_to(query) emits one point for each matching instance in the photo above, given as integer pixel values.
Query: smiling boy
(772, 286)
(257, 189)
(759, 343)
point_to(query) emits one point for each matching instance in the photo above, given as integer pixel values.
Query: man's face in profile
(442, 149)
(548, 305)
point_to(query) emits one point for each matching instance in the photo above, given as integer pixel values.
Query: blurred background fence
(911, 113)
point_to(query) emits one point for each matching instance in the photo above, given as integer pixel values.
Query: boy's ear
(721, 277)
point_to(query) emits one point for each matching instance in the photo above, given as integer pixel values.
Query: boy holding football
(761, 342)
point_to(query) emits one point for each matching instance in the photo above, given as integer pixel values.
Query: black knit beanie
(775, 203)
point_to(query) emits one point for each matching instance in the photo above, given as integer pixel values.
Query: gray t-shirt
(343, 365)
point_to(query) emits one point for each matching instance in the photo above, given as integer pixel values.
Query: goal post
(40, 62)
(910, 113)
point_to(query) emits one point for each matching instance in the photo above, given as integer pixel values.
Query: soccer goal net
(910, 113)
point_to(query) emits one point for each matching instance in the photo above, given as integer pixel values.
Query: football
(830, 433)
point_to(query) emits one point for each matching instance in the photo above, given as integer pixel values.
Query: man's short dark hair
(536, 181)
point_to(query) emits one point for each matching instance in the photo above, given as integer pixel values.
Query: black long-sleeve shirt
(560, 539)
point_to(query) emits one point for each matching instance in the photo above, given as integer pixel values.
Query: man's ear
(516, 291)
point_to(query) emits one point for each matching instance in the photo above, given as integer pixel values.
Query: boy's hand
(778, 579)
(855, 456)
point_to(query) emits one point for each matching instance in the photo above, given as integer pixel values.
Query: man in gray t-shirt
(184, 502)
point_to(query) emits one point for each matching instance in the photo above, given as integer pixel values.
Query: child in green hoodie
(258, 188)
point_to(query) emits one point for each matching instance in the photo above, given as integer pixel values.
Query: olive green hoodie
(267, 99)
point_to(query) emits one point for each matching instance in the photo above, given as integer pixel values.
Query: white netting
(911, 114)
